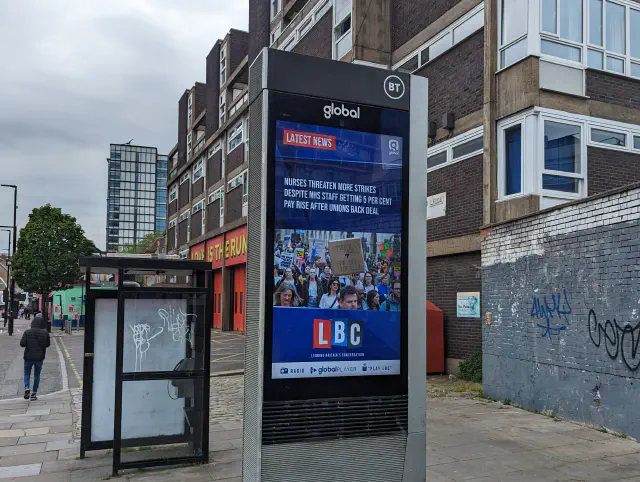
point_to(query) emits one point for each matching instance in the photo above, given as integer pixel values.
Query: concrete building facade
(208, 176)
(532, 104)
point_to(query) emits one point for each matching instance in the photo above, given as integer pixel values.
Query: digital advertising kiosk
(335, 379)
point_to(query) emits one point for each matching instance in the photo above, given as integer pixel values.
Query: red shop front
(227, 254)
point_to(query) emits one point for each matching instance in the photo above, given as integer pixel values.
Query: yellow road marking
(73, 365)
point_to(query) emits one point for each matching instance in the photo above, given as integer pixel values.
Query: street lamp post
(6, 302)
(15, 237)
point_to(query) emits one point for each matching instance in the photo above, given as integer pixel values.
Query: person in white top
(368, 283)
(330, 300)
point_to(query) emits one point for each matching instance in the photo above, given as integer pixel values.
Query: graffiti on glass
(551, 313)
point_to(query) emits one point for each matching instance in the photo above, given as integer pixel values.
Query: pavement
(468, 438)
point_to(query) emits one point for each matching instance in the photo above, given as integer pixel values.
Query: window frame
(215, 148)
(223, 64)
(199, 166)
(457, 141)
(185, 177)
(502, 46)
(278, 8)
(292, 39)
(238, 128)
(450, 29)
(172, 191)
(222, 111)
(197, 207)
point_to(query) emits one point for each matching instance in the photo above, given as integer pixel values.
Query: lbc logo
(330, 333)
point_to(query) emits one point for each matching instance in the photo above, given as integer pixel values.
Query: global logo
(394, 147)
(331, 110)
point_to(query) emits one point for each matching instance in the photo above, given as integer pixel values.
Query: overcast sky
(77, 75)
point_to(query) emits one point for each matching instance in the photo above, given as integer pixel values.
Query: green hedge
(471, 368)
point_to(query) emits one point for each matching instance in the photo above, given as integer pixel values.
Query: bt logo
(394, 87)
(330, 333)
(331, 110)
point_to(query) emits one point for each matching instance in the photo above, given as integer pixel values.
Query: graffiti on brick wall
(551, 313)
(621, 341)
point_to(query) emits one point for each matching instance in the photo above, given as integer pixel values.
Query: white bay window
(600, 34)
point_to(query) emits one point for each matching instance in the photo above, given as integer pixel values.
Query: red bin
(435, 339)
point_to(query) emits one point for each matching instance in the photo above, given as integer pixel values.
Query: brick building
(207, 199)
(532, 104)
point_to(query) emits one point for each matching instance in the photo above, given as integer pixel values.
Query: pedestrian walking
(35, 342)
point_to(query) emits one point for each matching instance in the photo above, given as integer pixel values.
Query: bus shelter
(147, 361)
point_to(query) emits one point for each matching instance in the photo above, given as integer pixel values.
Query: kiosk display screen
(337, 248)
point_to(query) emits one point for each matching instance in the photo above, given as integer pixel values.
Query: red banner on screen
(308, 139)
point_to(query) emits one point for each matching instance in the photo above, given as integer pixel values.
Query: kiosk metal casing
(359, 428)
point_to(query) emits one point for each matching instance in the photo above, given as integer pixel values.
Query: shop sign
(197, 252)
(468, 305)
(230, 247)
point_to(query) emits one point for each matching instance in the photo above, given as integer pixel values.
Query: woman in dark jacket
(311, 289)
(35, 342)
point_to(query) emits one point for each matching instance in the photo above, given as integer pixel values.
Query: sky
(77, 75)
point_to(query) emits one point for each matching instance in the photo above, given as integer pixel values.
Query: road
(227, 354)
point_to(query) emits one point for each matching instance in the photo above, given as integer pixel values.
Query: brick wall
(213, 215)
(609, 169)
(462, 182)
(555, 283)
(171, 239)
(317, 42)
(213, 90)
(410, 17)
(259, 22)
(446, 276)
(173, 208)
(235, 158)
(214, 168)
(196, 224)
(613, 89)
(182, 233)
(197, 188)
(238, 49)
(199, 100)
(456, 79)
(183, 194)
(233, 206)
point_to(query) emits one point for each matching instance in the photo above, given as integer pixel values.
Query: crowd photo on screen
(304, 276)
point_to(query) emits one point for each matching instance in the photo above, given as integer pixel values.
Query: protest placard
(346, 256)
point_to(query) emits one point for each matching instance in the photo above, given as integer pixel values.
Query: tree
(148, 244)
(47, 254)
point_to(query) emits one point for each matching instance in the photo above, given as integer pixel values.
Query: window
(197, 207)
(562, 154)
(245, 187)
(223, 108)
(184, 178)
(342, 38)
(608, 137)
(190, 110)
(235, 137)
(636, 142)
(240, 179)
(198, 170)
(304, 26)
(513, 31)
(459, 148)
(275, 34)
(215, 148)
(513, 160)
(276, 6)
(189, 137)
(436, 159)
(455, 33)
(173, 193)
(610, 25)
(214, 196)
(223, 64)
(183, 216)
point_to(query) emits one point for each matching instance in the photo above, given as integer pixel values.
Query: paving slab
(19, 471)
(22, 449)
(36, 458)
(44, 438)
